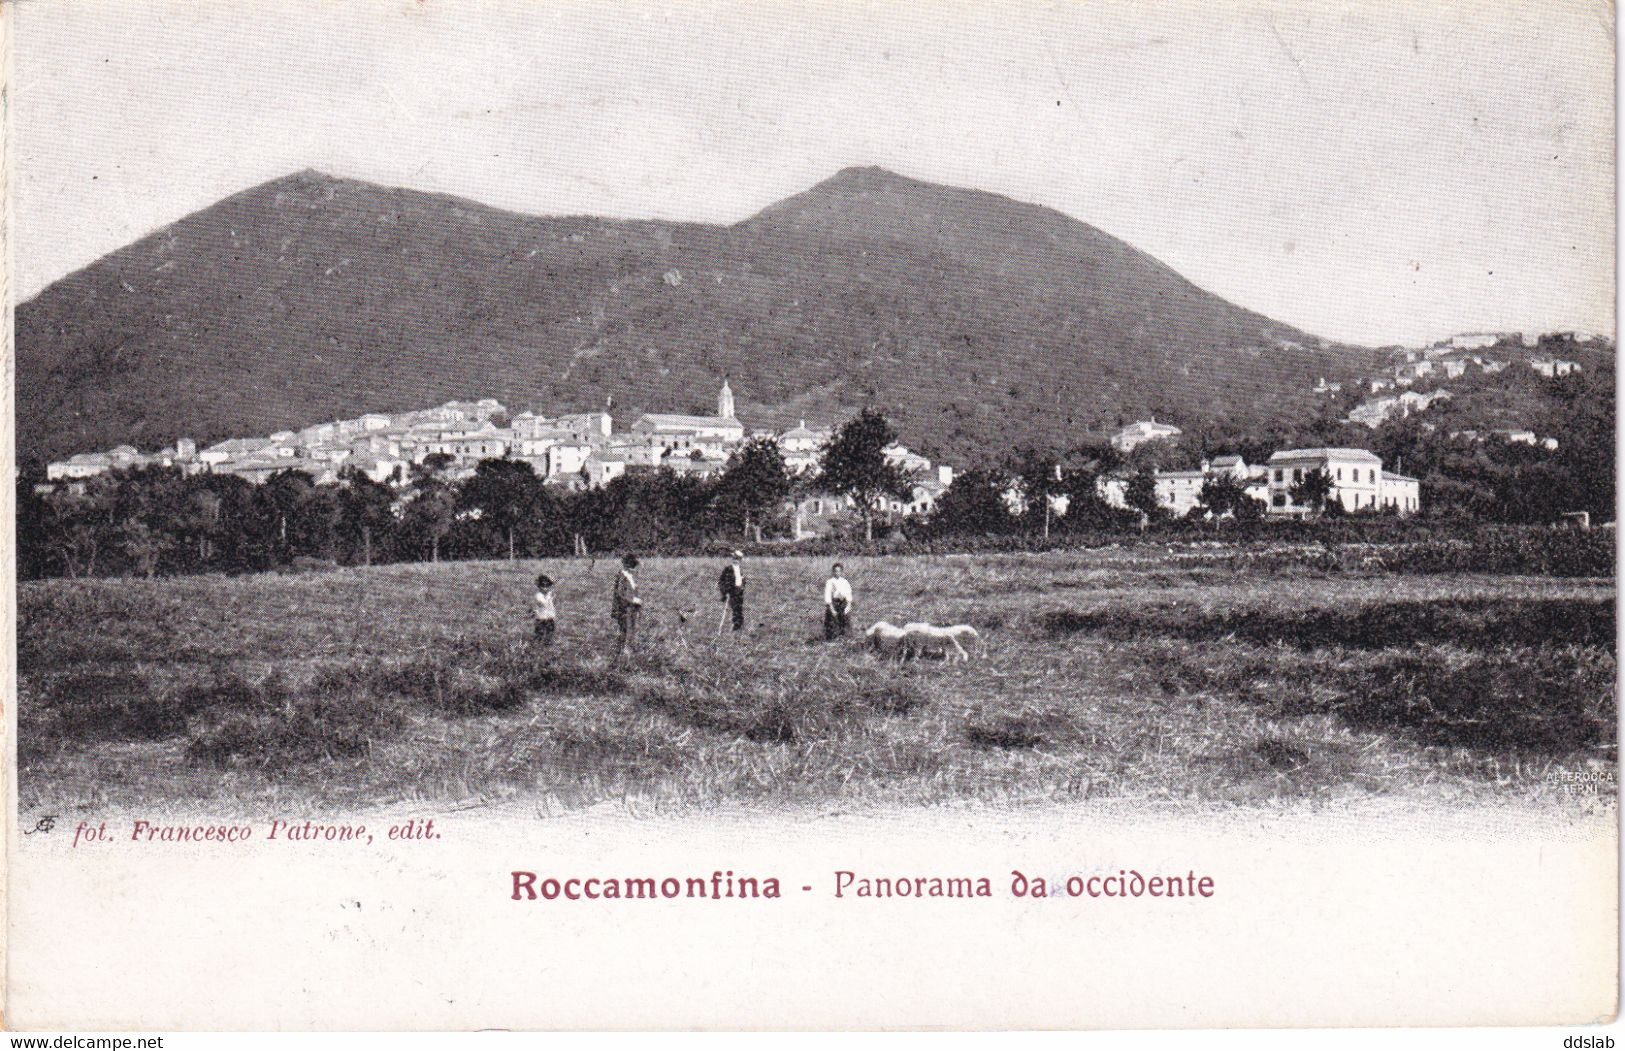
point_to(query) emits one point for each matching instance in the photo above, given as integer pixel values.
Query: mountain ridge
(973, 319)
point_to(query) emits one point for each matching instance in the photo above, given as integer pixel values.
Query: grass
(1111, 674)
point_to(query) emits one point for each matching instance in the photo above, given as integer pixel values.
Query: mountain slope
(973, 320)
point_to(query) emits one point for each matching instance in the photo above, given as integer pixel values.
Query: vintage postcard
(810, 514)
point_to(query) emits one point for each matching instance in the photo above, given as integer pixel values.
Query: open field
(1131, 675)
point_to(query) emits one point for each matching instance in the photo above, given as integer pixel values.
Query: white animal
(885, 638)
(920, 639)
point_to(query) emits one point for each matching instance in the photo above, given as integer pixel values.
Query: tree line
(153, 520)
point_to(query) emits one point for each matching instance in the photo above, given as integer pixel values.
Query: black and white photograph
(584, 459)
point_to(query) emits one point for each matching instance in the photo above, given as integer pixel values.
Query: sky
(1375, 171)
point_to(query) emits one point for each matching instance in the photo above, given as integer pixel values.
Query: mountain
(976, 322)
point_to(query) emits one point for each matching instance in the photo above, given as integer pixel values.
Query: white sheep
(920, 639)
(885, 638)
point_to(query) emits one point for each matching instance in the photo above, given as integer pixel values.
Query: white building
(1412, 371)
(565, 458)
(591, 427)
(602, 469)
(1373, 411)
(635, 451)
(922, 500)
(476, 412)
(1358, 481)
(467, 444)
(82, 465)
(676, 425)
(1141, 432)
(678, 431)
(232, 449)
(1179, 491)
(380, 467)
(536, 443)
(802, 445)
(1475, 340)
(912, 463)
(1402, 493)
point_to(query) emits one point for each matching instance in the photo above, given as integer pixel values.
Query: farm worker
(625, 603)
(543, 608)
(732, 586)
(837, 603)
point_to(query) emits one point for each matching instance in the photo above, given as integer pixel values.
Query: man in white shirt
(837, 604)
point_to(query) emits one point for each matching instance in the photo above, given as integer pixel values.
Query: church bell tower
(725, 401)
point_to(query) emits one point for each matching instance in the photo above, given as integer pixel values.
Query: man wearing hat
(625, 603)
(732, 586)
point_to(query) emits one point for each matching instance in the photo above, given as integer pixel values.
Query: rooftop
(801, 430)
(674, 421)
(1363, 455)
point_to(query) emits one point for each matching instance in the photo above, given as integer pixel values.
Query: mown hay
(308, 731)
(1531, 701)
(1367, 626)
(107, 706)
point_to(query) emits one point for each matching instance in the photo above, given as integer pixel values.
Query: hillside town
(585, 450)
(1395, 392)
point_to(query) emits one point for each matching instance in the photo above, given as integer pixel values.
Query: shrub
(108, 707)
(772, 720)
(1368, 626)
(440, 686)
(1542, 552)
(1012, 731)
(1546, 701)
(574, 680)
(229, 691)
(309, 730)
(778, 708)
(891, 698)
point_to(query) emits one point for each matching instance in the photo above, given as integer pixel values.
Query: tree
(1086, 508)
(975, 503)
(365, 508)
(803, 484)
(1038, 478)
(505, 493)
(753, 483)
(35, 526)
(155, 517)
(649, 510)
(281, 501)
(586, 516)
(199, 519)
(431, 505)
(1223, 495)
(239, 537)
(142, 545)
(1141, 494)
(854, 465)
(81, 525)
(1313, 490)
